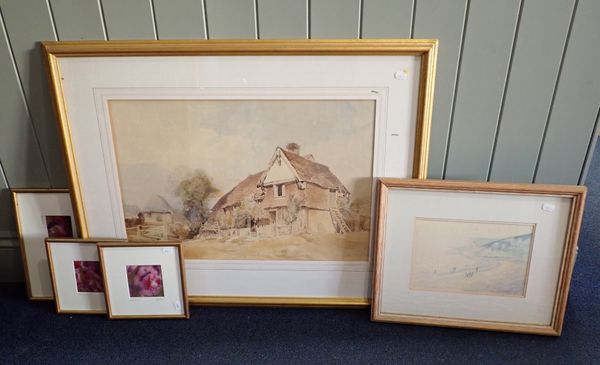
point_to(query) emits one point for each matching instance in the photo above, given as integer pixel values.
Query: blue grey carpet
(30, 332)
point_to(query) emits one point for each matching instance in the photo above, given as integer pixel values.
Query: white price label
(401, 75)
(548, 207)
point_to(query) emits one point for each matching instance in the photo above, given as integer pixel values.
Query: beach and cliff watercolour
(248, 179)
(471, 257)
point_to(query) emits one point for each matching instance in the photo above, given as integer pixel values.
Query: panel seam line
(413, 15)
(455, 89)
(554, 91)
(256, 31)
(361, 5)
(308, 36)
(153, 15)
(505, 88)
(3, 175)
(24, 98)
(102, 19)
(590, 152)
(205, 19)
(52, 21)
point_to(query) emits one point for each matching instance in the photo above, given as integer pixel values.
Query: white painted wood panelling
(334, 18)
(179, 19)
(517, 98)
(444, 20)
(536, 61)
(130, 19)
(231, 19)
(27, 22)
(387, 18)
(77, 20)
(577, 102)
(487, 49)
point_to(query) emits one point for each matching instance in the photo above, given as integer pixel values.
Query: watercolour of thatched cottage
(294, 194)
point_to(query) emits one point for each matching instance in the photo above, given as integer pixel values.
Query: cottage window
(279, 190)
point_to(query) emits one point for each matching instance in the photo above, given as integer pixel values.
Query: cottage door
(332, 199)
(273, 218)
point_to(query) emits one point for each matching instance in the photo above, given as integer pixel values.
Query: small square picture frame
(41, 213)
(76, 275)
(492, 256)
(144, 279)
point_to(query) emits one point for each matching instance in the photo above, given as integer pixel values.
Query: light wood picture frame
(76, 275)
(40, 213)
(144, 279)
(493, 256)
(313, 90)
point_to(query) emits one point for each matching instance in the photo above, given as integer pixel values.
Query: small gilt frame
(146, 302)
(42, 288)
(64, 282)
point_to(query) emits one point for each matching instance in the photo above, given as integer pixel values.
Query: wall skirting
(11, 269)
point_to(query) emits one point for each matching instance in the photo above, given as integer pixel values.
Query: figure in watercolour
(472, 257)
(248, 179)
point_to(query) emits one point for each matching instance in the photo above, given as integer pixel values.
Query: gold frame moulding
(426, 49)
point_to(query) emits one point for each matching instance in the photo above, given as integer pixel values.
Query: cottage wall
(271, 201)
(311, 214)
(316, 197)
(319, 221)
(313, 196)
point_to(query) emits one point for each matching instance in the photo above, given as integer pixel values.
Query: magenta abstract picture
(88, 277)
(59, 226)
(145, 281)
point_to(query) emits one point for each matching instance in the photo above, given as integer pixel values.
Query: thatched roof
(313, 172)
(248, 187)
(156, 204)
(306, 169)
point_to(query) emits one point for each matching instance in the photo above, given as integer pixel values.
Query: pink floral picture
(88, 276)
(59, 226)
(145, 281)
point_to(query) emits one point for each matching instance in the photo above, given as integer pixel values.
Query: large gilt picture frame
(261, 156)
(478, 255)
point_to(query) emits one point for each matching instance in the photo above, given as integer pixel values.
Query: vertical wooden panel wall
(517, 97)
